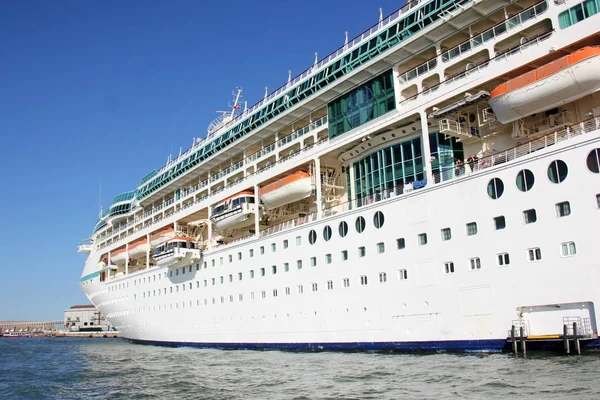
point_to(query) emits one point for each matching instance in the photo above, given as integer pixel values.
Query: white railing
(302, 131)
(495, 31)
(418, 70)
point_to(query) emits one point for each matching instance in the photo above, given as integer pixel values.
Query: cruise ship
(431, 185)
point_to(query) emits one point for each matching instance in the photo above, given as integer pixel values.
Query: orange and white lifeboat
(236, 211)
(138, 248)
(294, 187)
(118, 256)
(161, 236)
(559, 82)
(176, 252)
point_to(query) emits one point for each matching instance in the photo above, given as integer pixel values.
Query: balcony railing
(495, 31)
(418, 70)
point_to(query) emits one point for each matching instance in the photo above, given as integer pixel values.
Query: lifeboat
(176, 252)
(561, 81)
(138, 248)
(162, 235)
(118, 256)
(236, 212)
(294, 187)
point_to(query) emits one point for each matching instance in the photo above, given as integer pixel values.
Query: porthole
(593, 161)
(557, 171)
(495, 188)
(378, 219)
(360, 224)
(525, 180)
(312, 236)
(327, 232)
(343, 229)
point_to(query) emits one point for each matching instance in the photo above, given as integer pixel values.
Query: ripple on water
(116, 369)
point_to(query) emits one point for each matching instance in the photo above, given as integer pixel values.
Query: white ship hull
(468, 310)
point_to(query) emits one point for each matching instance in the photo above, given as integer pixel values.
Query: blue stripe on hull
(452, 346)
(481, 346)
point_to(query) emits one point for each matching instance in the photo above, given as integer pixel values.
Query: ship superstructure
(430, 184)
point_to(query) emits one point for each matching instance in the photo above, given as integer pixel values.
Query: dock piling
(576, 339)
(522, 334)
(566, 339)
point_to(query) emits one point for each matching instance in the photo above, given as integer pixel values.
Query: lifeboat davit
(138, 248)
(161, 236)
(294, 187)
(561, 81)
(176, 252)
(236, 212)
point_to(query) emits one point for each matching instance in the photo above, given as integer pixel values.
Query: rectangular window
(402, 275)
(230, 258)
(298, 240)
(314, 287)
(205, 283)
(263, 294)
(204, 266)
(362, 251)
(287, 291)
(273, 247)
(252, 296)
(214, 281)
(446, 234)
(220, 260)
(598, 201)
(363, 280)
(380, 247)
(221, 280)
(563, 209)
(472, 228)
(327, 258)
(346, 282)
(313, 261)
(240, 276)
(344, 255)
(251, 253)
(251, 274)
(240, 297)
(475, 263)
(449, 267)
(529, 216)
(239, 255)
(382, 277)
(231, 298)
(286, 267)
(230, 278)
(299, 264)
(262, 249)
(534, 254)
(300, 289)
(400, 243)
(499, 222)
(568, 249)
(422, 239)
(274, 292)
(329, 285)
(285, 244)
(274, 269)
(262, 272)
(213, 264)
(503, 259)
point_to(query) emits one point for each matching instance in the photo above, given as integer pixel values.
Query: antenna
(100, 198)
(226, 116)
(346, 41)
(380, 17)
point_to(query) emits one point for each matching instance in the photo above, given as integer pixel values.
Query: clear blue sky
(96, 91)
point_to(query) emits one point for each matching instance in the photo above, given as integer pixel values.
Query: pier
(29, 326)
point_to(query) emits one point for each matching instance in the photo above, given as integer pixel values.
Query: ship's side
(428, 186)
